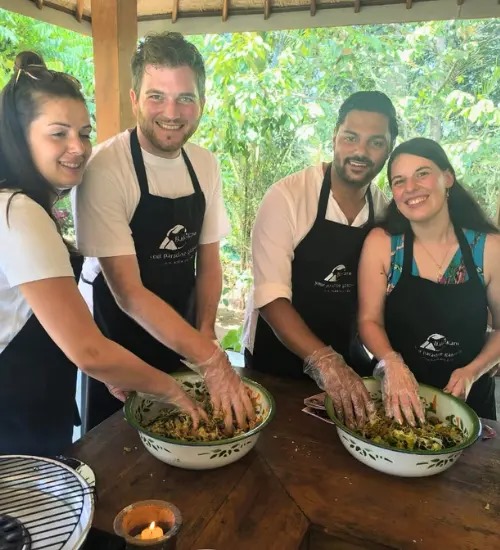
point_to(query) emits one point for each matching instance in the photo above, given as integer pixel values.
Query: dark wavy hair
(20, 100)
(167, 49)
(373, 102)
(464, 210)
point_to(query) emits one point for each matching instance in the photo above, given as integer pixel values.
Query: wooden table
(300, 489)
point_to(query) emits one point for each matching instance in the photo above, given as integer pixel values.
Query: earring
(447, 193)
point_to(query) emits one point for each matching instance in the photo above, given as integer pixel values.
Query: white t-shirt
(285, 217)
(31, 249)
(105, 202)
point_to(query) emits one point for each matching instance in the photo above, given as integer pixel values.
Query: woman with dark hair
(427, 279)
(46, 327)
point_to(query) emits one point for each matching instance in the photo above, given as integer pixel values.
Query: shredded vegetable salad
(434, 435)
(175, 424)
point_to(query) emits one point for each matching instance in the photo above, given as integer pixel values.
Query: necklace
(439, 265)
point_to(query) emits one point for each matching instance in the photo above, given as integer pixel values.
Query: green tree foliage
(272, 99)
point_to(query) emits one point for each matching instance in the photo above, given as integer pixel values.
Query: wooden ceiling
(220, 15)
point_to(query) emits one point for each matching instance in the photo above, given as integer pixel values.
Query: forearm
(290, 328)
(488, 357)
(112, 364)
(163, 323)
(374, 337)
(208, 293)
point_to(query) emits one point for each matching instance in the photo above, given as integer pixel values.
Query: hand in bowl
(399, 390)
(227, 391)
(349, 395)
(175, 396)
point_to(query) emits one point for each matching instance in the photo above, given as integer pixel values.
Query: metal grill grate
(53, 503)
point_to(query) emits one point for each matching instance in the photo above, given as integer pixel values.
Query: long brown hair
(465, 211)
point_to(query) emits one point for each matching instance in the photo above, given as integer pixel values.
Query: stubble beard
(341, 171)
(148, 131)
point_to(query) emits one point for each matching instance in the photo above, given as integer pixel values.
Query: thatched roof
(231, 15)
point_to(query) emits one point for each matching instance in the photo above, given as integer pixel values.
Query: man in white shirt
(149, 217)
(306, 244)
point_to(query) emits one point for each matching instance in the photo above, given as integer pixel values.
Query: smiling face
(361, 146)
(419, 187)
(168, 109)
(59, 140)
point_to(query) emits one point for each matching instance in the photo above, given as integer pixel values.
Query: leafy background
(272, 100)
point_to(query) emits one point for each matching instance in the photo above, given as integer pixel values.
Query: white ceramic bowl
(196, 455)
(406, 463)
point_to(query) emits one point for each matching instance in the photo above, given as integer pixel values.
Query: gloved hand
(399, 389)
(173, 395)
(460, 383)
(227, 391)
(349, 395)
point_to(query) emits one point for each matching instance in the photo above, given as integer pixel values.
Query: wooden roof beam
(357, 6)
(225, 10)
(175, 10)
(409, 4)
(79, 10)
(39, 4)
(267, 9)
(314, 7)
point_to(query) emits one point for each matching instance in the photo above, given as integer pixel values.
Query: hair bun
(27, 58)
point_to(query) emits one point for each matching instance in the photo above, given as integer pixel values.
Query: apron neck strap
(325, 195)
(140, 168)
(462, 243)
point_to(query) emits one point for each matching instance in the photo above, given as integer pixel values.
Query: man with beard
(306, 245)
(149, 217)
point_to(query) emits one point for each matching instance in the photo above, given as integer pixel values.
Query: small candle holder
(137, 517)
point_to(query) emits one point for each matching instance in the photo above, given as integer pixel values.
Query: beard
(342, 170)
(172, 145)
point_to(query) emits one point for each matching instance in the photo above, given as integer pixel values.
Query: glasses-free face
(168, 109)
(419, 187)
(361, 146)
(59, 140)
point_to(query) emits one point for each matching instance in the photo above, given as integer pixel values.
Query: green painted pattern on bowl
(138, 410)
(471, 428)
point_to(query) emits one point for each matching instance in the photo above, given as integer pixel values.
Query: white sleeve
(215, 222)
(272, 249)
(100, 214)
(31, 248)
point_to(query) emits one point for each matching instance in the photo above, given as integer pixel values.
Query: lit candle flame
(152, 525)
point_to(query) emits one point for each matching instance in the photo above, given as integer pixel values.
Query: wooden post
(114, 32)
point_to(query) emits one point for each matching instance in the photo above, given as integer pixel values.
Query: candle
(151, 532)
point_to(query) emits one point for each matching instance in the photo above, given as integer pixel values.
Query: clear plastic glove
(227, 391)
(175, 397)
(460, 383)
(349, 395)
(399, 390)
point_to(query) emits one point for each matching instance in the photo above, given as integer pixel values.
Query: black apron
(324, 293)
(37, 391)
(166, 233)
(439, 328)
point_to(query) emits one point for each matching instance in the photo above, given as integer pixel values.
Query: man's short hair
(374, 102)
(167, 49)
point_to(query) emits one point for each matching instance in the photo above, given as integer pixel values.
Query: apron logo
(434, 342)
(438, 348)
(176, 238)
(336, 273)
